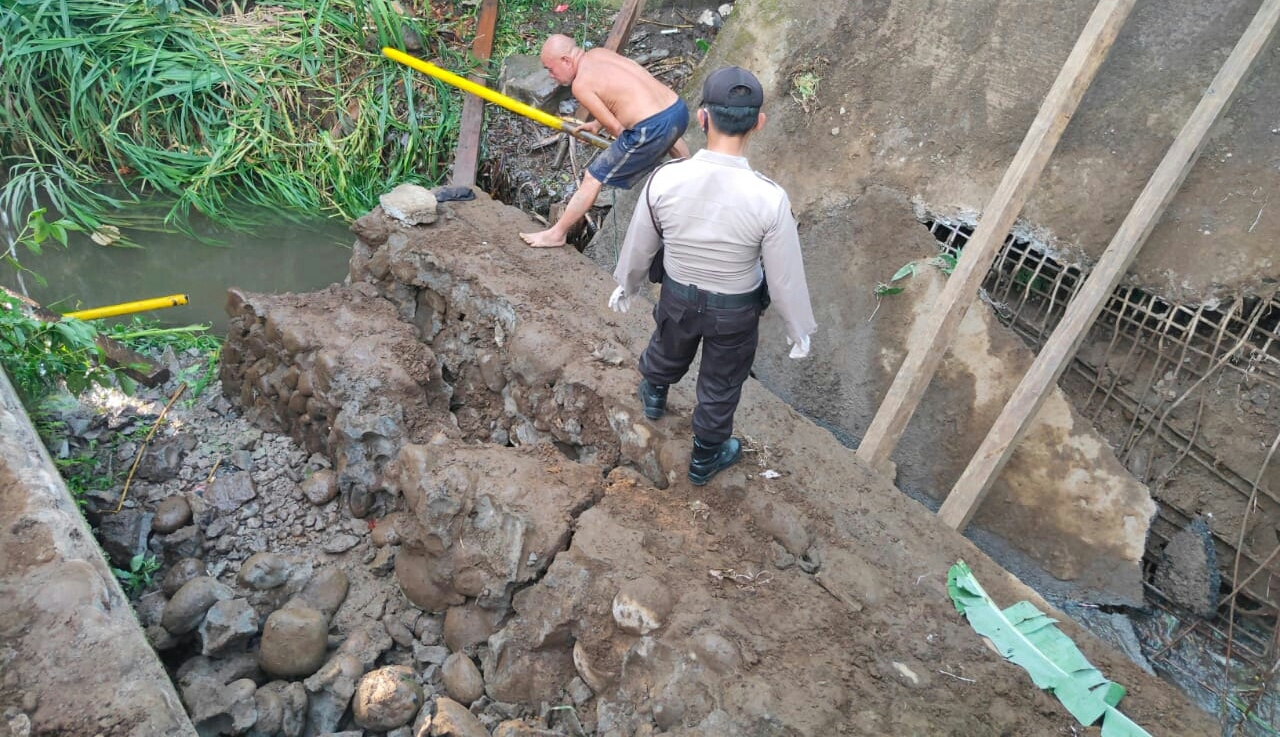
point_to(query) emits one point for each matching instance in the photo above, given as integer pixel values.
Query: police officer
(718, 223)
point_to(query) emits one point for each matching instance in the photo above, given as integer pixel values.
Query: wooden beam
(628, 14)
(1012, 423)
(467, 155)
(924, 354)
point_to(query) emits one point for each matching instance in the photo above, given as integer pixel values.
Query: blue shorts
(638, 150)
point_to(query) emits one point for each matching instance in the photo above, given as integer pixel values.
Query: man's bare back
(619, 94)
(624, 89)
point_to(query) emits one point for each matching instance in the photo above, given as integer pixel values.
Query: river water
(279, 257)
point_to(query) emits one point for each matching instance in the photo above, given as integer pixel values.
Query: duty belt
(711, 299)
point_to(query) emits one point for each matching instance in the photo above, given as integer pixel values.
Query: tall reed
(288, 106)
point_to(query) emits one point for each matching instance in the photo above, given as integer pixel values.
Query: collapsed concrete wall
(1063, 500)
(73, 659)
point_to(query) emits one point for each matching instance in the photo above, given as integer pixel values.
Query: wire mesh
(1167, 384)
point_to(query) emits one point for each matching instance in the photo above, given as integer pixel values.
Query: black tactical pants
(727, 326)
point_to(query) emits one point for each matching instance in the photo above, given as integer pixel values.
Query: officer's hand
(799, 350)
(620, 302)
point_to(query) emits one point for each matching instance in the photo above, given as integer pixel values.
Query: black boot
(653, 399)
(710, 459)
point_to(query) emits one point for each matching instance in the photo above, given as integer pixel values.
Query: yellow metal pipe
(125, 308)
(497, 98)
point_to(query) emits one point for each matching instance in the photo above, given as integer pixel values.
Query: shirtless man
(645, 117)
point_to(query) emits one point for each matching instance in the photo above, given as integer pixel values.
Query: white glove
(799, 350)
(620, 302)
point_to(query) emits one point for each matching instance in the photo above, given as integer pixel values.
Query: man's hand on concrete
(799, 350)
(620, 302)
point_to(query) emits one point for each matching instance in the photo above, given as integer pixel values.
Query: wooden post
(628, 14)
(1009, 427)
(467, 156)
(924, 355)
(618, 35)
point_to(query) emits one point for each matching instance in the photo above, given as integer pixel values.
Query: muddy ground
(442, 467)
(813, 603)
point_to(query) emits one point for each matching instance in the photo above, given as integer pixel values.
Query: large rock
(331, 689)
(453, 720)
(227, 626)
(124, 535)
(524, 78)
(386, 698)
(282, 709)
(320, 487)
(462, 679)
(326, 590)
(411, 204)
(187, 608)
(182, 572)
(163, 459)
(228, 493)
(476, 527)
(171, 513)
(294, 642)
(468, 626)
(264, 571)
(642, 606)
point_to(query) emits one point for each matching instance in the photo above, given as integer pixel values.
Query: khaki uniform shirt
(720, 220)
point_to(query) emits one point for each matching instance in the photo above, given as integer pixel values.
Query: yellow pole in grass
(125, 308)
(497, 98)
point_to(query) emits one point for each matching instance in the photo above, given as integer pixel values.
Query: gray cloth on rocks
(720, 221)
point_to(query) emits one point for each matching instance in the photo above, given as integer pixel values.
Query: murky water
(281, 257)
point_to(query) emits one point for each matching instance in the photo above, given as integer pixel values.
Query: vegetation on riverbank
(288, 106)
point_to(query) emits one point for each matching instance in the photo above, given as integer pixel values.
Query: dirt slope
(827, 583)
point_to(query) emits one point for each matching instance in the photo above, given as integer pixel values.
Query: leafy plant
(150, 336)
(80, 472)
(882, 289)
(147, 336)
(162, 8)
(38, 355)
(945, 262)
(199, 376)
(138, 577)
(33, 236)
(804, 88)
(1026, 636)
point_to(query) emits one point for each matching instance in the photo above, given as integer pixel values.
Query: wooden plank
(622, 25)
(118, 356)
(467, 156)
(924, 354)
(1012, 423)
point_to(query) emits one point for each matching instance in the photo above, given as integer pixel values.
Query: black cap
(733, 87)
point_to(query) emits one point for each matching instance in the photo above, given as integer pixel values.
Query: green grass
(524, 24)
(107, 103)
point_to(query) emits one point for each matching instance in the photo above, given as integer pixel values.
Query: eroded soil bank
(449, 514)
